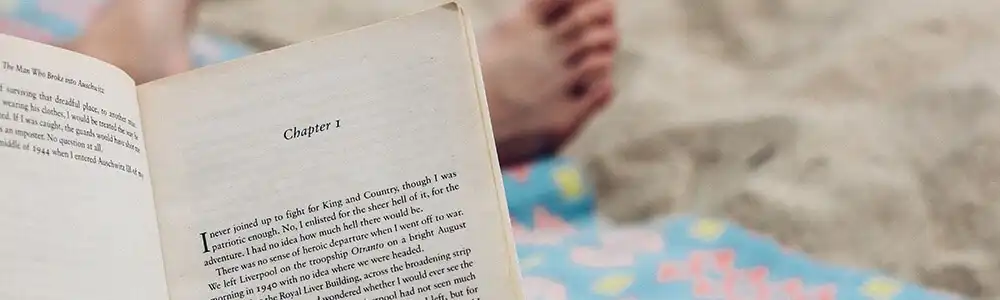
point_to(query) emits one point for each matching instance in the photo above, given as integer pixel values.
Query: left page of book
(77, 219)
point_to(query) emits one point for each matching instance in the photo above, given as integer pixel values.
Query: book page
(76, 215)
(358, 166)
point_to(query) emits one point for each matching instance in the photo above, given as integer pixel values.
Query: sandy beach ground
(866, 133)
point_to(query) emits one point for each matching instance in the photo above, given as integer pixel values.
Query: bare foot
(547, 70)
(148, 39)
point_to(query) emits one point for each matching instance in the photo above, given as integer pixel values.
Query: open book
(357, 166)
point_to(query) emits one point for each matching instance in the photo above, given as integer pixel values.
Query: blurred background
(866, 133)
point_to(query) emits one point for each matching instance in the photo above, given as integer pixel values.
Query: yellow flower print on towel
(708, 230)
(613, 285)
(531, 262)
(881, 289)
(570, 183)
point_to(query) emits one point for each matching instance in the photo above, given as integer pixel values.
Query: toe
(605, 38)
(597, 96)
(588, 13)
(549, 11)
(590, 70)
(596, 41)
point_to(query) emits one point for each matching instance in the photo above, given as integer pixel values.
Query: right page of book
(358, 166)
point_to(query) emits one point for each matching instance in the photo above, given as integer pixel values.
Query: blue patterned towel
(566, 252)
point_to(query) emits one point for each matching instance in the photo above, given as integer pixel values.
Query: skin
(547, 70)
(547, 67)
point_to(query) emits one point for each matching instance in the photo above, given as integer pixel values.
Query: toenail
(577, 57)
(604, 20)
(558, 13)
(578, 89)
(608, 47)
(572, 34)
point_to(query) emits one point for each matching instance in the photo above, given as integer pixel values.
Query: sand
(865, 133)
